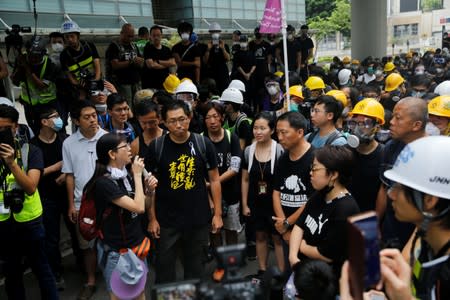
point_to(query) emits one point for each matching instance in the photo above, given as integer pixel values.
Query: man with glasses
(52, 189)
(324, 115)
(367, 117)
(118, 110)
(123, 64)
(79, 156)
(181, 212)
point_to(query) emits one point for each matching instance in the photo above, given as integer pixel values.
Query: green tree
(338, 20)
(319, 8)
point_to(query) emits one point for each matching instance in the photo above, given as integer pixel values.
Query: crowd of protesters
(184, 148)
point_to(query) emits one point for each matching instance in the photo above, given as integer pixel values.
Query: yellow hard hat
(346, 60)
(315, 83)
(186, 79)
(409, 54)
(339, 96)
(296, 90)
(389, 66)
(355, 62)
(369, 107)
(171, 83)
(440, 106)
(278, 74)
(393, 81)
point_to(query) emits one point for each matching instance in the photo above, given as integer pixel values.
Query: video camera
(233, 286)
(88, 82)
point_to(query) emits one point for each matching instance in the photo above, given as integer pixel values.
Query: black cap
(290, 28)
(304, 27)
(237, 32)
(243, 38)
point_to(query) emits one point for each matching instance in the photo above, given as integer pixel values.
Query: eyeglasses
(52, 116)
(185, 97)
(123, 146)
(314, 169)
(215, 117)
(367, 123)
(181, 121)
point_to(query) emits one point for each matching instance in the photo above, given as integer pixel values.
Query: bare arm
(53, 168)
(294, 244)
(381, 201)
(97, 69)
(137, 204)
(3, 69)
(214, 180)
(313, 252)
(244, 192)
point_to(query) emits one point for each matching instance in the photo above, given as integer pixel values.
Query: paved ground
(74, 277)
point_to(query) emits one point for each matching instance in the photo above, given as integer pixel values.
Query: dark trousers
(25, 240)
(193, 243)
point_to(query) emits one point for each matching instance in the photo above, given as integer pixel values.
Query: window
(406, 30)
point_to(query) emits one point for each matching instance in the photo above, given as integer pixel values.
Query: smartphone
(6, 137)
(363, 252)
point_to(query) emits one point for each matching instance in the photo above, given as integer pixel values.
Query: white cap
(237, 84)
(186, 86)
(424, 166)
(6, 101)
(232, 95)
(344, 76)
(443, 88)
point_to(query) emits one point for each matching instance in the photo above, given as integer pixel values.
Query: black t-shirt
(154, 78)
(2, 85)
(181, 195)
(226, 149)
(121, 52)
(190, 56)
(70, 56)
(394, 233)
(217, 67)
(35, 158)
(131, 234)
(244, 59)
(52, 153)
(366, 178)
(292, 49)
(325, 226)
(292, 180)
(260, 51)
(305, 45)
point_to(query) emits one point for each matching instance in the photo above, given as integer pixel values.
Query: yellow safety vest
(38, 96)
(32, 206)
(88, 64)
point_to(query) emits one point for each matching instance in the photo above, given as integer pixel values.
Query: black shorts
(265, 224)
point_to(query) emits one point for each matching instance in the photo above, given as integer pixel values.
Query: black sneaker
(86, 292)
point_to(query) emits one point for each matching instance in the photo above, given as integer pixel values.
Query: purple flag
(271, 21)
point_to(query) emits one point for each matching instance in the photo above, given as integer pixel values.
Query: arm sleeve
(67, 161)
(107, 190)
(236, 153)
(35, 158)
(94, 51)
(112, 52)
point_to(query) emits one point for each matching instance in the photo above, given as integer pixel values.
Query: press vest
(85, 64)
(32, 206)
(38, 96)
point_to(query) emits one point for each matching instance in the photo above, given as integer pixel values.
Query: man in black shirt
(181, 211)
(306, 46)
(294, 51)
(261, 50)
(123, 64)
(187, 55)
(158, 61)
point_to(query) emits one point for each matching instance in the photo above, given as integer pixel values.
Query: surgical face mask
(378, 73)
(293, 106)
(431, 129)
(57, 124)
(57, 47)
(419, 72)
(370, 70)
(272, 90)
(383, 135)
(347, 66)
(215, 36)
(417, 94)
(185, 36)
(290, 36)
(101, 108)
(243, 45)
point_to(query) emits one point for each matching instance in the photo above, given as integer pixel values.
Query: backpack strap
(239, 120)
(333, 136)
(273, 152)
(159, 146)
(201, 145)
(312, 135)
(24, 151)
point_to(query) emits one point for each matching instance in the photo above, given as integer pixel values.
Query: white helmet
(6, 101)
(423, 165)
(70, 26)
(443, 88)
(186, 86)
(232, 95)
(214, 27)
(344, 76)
(237, 84)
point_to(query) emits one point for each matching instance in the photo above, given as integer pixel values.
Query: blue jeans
(25, 240)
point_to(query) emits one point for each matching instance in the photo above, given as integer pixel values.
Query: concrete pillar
(369, 28)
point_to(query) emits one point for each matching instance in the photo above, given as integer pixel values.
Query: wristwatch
(286, 224)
